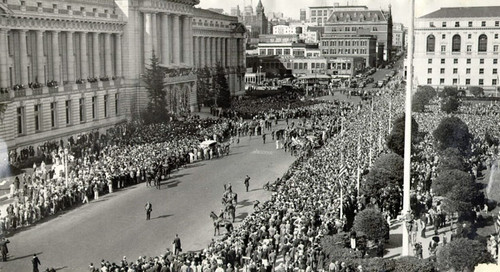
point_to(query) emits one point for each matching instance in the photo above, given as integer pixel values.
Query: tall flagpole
(407, 153)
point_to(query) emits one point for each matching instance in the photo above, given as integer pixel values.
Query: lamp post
(66, 165)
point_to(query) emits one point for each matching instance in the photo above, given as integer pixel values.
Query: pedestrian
(4, 249)
(247, 182)
(263, 138)
(149, 208)
(36, 262)
(177, 245)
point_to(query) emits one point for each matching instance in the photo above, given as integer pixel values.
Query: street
(115, 225)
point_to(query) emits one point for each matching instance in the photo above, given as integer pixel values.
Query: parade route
(115, 225)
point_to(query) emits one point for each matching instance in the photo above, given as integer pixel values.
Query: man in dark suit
(177, 245)
(4, 249)
(149, 208)
(36, 262)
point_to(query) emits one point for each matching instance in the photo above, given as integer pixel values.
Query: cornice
(46, 23)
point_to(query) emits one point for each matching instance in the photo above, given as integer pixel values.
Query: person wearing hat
(247, 182)
(149, 208)
(36, 262)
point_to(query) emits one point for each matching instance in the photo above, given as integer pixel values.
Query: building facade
(398, 36)
(458, 46)
(362, 21)
(347, 46)
(257, 23)
(68, 67)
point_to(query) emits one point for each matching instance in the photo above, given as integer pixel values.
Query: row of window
(346, 51)
(470, 24)
(352, 28)
(480, 82)
(467, 71)
(344, 43)
(456, 44)
(468, 61)
(38, 116)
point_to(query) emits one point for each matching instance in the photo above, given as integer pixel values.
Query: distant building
(299, 29)
(256, 23)
(362, 21)
(303, 15)
(398, 36)
(216, 10)
(458, 46)
(235, 11)
(289, 49)
(349, 46)
(319, 15)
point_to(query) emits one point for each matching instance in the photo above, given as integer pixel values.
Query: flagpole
(408, 118)
(358, 177)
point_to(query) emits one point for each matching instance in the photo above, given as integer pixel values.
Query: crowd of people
(99, 164)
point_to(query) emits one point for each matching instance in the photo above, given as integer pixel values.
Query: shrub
(462, 255)
(371, 223)
(450, 104)
(476, 91)
(453, 132)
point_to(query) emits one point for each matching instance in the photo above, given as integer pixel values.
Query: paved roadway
(115, 224)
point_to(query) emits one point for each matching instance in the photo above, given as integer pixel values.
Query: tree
(451, 158)
(385, 175)
(450, 104)
(396, 140)
(453, 132)
(449, 92)
(204, 89)
(476, 91)
(371, 223)
(422, 98)
(462, 255)
(154, 78)
(221, 87)
(459, 190)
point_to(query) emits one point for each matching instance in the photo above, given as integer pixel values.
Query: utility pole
(407, 153)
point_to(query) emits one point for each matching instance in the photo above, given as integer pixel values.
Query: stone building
(68, 67)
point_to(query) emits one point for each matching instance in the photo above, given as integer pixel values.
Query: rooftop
(464, 12)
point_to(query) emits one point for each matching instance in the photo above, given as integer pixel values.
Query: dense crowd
(129, 154)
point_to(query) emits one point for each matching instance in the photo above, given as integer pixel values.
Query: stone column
(96, 60)
(83, 56)
(4, 77)
(40, 72)
(165, 39)
(23, 57)
(107, 55)
(71, 57)
(186, 43)
(176, 38)
(154, 36)
(202, 52)
(118, 55)
(148, 38)
(196, 52)
(56, 59)
(223, 48)
(214, 52)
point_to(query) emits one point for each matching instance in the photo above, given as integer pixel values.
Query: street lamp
(66, 165)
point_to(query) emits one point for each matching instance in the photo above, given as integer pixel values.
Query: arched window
(456, 43)
(483, 43)
(431, 43)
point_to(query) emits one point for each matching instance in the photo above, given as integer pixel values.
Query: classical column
(176, 38)
(23, 57)
(83, 56)
(148, 38)
(154, 31)
(214, 52)
(118, 55)
(96, 59)
(4, 78)
(208, 51)
(186, 56)
(191, 44)
(165, 39)
(202, 52)
(196, 53)
(40, 71)
(70, 57)
(56, 59)
(107, 55)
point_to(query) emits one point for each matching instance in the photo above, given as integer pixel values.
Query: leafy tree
(476, 91)
(450, 104)
(460, 191)
(154, 78)
(385, 176)
(422, 98)
(462, 255)
(449, 92)
(204, 89)
(221, 87)
(371, 223)
(451, 158)
(453, 132)
(396, 140)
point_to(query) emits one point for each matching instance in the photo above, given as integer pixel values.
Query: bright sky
(400, 8)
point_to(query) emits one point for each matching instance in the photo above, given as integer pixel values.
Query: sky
(400, 8)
